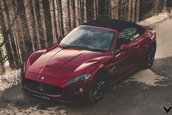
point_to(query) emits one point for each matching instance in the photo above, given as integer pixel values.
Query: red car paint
(59, 64)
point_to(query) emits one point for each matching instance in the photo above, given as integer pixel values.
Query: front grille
(42, 87)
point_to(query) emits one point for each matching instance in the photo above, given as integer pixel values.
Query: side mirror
(124, 47)
(59, 37)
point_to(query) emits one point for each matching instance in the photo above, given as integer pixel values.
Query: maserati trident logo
(42, 78)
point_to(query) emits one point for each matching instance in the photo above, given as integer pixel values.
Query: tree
(95, 4)
(137, 10)
(6, 41)
(43, 30)
(90, 10)
(22, 21)
(82, 10)
(133, 11)
(155, 6)
(10, 33)
(53, 19)
(114, 9)
(78, 12)
(73, 16)
(38, 27)
(103, 8)
(19, 43)
(60, 16)
(129, 10)
(68, 17)
(29, 22)
(20, 29)
(47, 18)
(1, 63)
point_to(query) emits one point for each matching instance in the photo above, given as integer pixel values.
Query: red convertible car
(86, 61)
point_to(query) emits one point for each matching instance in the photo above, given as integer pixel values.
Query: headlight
(23, 68)
(79, 79)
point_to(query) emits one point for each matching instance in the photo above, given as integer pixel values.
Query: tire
(150, 57)
(98, 87)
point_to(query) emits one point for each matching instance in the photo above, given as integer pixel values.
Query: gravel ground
(9, 80)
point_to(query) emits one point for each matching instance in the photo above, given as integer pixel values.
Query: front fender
(93, 66)
(33, 57)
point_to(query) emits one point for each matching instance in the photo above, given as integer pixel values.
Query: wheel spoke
(98, 88)
(150, 56)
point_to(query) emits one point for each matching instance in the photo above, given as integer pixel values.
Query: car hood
(64, 63)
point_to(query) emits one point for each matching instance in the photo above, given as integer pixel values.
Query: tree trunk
(60, 16)
(120, 9)
(53, 20)
(126, 9)
(43, 31)
(109, 9)
(22, 20)
(90, 10)
(6, 38)
(47, 18)
(129, 10)
(78, 13)
(156, 4)
(33, 25)
(103, 9)
(56, 18)
(114, 9)
(133, 10)
(19, 29)
(19, 43)
(2, 69)
(73, 16)
(29, 22)
(138, 11)
(36, 14)
(95, 7)
(11, 36)
(85, 11)
(164, 6)
(68, 17)
(82, 10)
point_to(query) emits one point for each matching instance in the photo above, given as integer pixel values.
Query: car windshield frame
(110, 42)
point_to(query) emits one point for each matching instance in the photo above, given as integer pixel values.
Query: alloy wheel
(150, 57)
(98, 88)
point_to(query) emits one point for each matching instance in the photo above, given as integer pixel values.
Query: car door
(126, 60)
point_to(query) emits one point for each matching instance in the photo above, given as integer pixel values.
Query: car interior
(127, 36)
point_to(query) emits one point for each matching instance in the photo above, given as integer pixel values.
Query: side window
(126, 36)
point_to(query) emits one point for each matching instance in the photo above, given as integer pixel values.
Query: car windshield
(89, 38)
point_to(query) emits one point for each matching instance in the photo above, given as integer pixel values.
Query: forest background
(29, 25)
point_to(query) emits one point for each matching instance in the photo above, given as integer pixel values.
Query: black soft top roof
(112, 24)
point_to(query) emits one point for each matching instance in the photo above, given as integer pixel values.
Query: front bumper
(69, 93)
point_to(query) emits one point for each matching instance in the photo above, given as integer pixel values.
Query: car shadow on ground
(131, 92)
